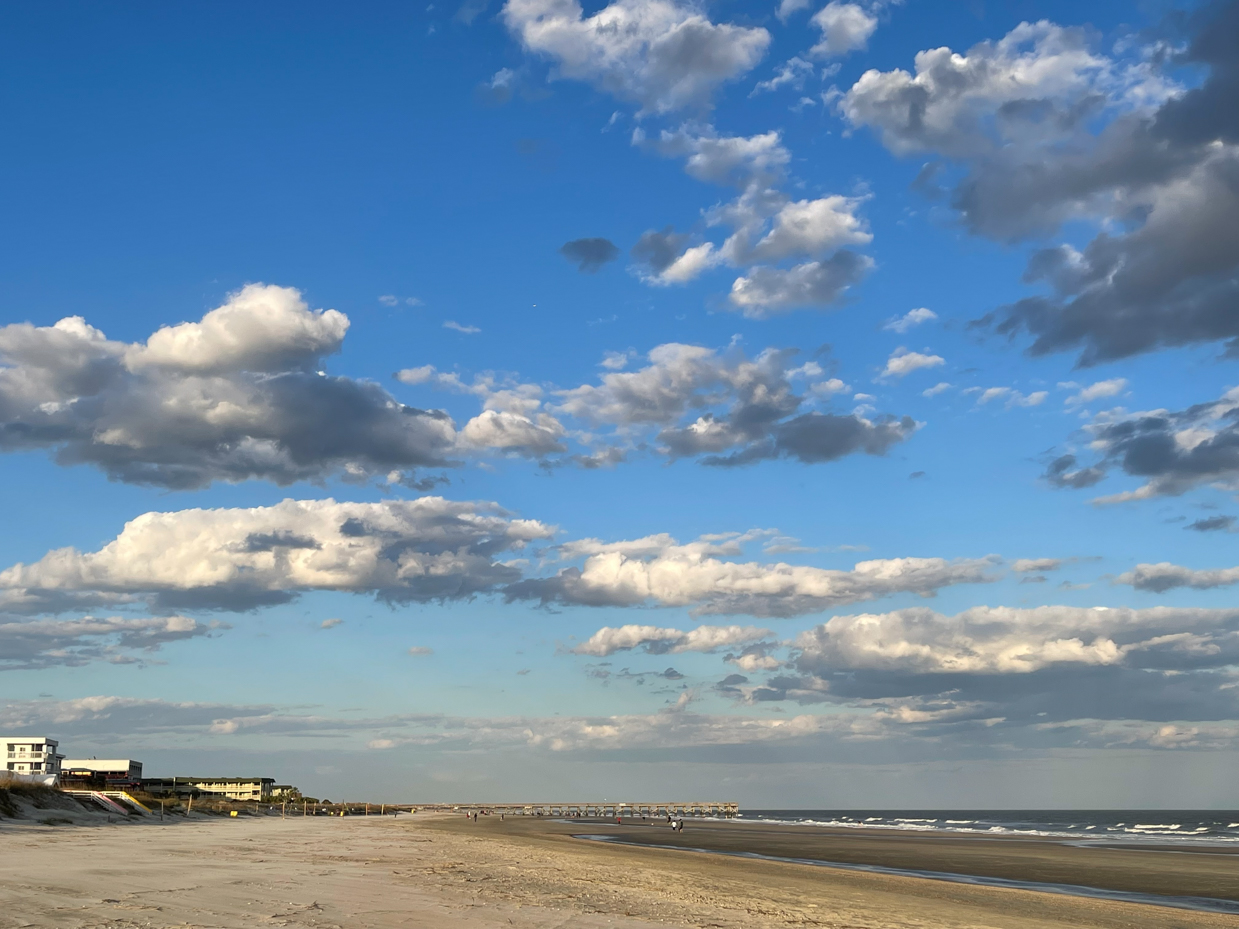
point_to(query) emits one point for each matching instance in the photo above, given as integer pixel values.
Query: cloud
(1048, 131)
(936, 389)
(943, 727)
(46, 643)
(792, 73)
(399, 551)
(1164, 576)
(743, 406)
(765, 291)
(467, 330)
(1064, 471)
(500, 430)
(1020, 673)
(499, 89)
(330, 623)
(1096, 391)
(659, 641)
(145, 723)
(659, 54)
(261, 328)
(1173, 452)
(470, 10)
(589, 255)
(1212, 524)
(657, 251)
(903, 362)
(1012, 397)
(902, 324)
(788, 7)
(418, 651)
(1036, 565)
(687, 266)
(689, 401)
(797, 251)
(236, 396)
(818, 437)
(990, 640)
(806, 228)
(845, 27)
(659, 571)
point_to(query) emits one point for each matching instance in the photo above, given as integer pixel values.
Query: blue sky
(742, 400)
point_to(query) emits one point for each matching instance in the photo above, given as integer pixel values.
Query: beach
(447, 871)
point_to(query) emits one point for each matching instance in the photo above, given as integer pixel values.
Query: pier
(605, 809)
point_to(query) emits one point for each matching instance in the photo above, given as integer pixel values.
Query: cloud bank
(689, 401)
(235, 396)
(1038, 129)
(429, 549)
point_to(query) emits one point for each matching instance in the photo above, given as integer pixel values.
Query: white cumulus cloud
(660, 54)
(903, 362)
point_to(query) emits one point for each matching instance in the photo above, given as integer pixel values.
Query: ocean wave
(1087, 829)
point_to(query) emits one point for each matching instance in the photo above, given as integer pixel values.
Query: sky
(813, 406)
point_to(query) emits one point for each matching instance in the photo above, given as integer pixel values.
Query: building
(114, 773)
(32, 757)
(231, 788)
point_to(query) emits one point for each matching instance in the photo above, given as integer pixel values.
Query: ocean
(1154, 826)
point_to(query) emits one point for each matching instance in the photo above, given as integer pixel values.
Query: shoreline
(1197, 879)
(1199, 904)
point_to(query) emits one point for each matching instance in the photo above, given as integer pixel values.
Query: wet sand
(706, 889)
(1172, 871)
(442, 872)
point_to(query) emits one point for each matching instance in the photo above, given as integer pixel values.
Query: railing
(102, 799)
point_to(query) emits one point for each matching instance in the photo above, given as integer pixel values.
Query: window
(12, 766)
(36, 767)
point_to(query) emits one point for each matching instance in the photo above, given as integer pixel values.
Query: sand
(436, 871)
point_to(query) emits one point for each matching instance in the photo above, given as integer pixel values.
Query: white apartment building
(32, 756)
(235, 788)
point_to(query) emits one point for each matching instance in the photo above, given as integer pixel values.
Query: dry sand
(424, 871)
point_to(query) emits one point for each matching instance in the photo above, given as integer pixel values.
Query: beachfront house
(32, 757)
(110, 773)
(230, 788)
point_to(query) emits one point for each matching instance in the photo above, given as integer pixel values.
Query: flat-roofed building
(232, 788)
(32, 757)
(118, 773)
